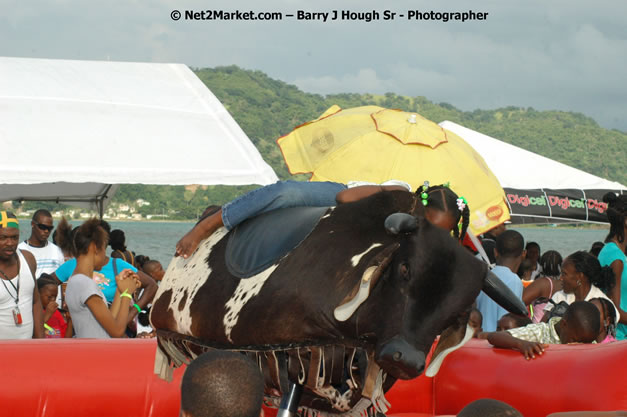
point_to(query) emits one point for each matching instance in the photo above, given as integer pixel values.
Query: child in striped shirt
(581, 324)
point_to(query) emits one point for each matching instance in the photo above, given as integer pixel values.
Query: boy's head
(525, 269)
(154, 269)
(117, 240)
(596, 248)
(581, 323)
(475, 320)
(512, 321)
(221, 384)
(140, 261)
(510, 244)
(510, 247)
(487, 407)
(533, 252)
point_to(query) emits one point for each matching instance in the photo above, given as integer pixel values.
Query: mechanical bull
(355, 305)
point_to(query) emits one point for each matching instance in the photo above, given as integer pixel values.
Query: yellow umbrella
(373, 144)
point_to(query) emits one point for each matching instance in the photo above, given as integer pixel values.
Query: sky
(566, 55)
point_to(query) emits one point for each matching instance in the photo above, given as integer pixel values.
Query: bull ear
(369, 279)
(400, 223)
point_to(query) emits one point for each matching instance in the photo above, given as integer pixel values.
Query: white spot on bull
(355, 259)
(245, 291)
(185, 277)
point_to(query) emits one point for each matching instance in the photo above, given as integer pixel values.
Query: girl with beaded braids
(608, 320)
(444, 208)
(283, 194)
(613, 255)
(542, 288)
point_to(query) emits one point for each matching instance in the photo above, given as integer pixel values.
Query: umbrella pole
(479, 247)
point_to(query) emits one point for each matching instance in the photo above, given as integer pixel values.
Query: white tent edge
(563, 183)
(146, 112)
(495, 153)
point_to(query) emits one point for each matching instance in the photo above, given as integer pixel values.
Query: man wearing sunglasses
(47, 254)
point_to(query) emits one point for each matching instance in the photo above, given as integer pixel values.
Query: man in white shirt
(48, 255)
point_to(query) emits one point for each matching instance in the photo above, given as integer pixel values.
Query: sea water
(158, 239)
(154, 239)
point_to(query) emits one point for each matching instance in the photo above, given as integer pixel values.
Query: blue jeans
(282, 194)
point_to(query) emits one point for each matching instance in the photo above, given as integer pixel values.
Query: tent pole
(101, 200)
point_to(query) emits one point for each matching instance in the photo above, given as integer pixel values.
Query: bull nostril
(397, 356)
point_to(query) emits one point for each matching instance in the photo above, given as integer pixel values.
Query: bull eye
(404, 271)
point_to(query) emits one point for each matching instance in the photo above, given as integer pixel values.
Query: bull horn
(503, 296)
(400, 223)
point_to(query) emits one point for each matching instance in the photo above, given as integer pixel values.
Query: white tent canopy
(70, 130)
(536, 186)
(518, 168)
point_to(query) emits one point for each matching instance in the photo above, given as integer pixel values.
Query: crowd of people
(579, 299)
(71, 288)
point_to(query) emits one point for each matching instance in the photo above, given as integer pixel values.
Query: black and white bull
(353, 307)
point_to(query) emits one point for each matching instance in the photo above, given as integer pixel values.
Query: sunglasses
(44, 227)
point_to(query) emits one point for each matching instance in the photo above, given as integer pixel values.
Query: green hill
(267, 109)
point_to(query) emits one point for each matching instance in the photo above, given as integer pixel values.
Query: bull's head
(426, 286)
